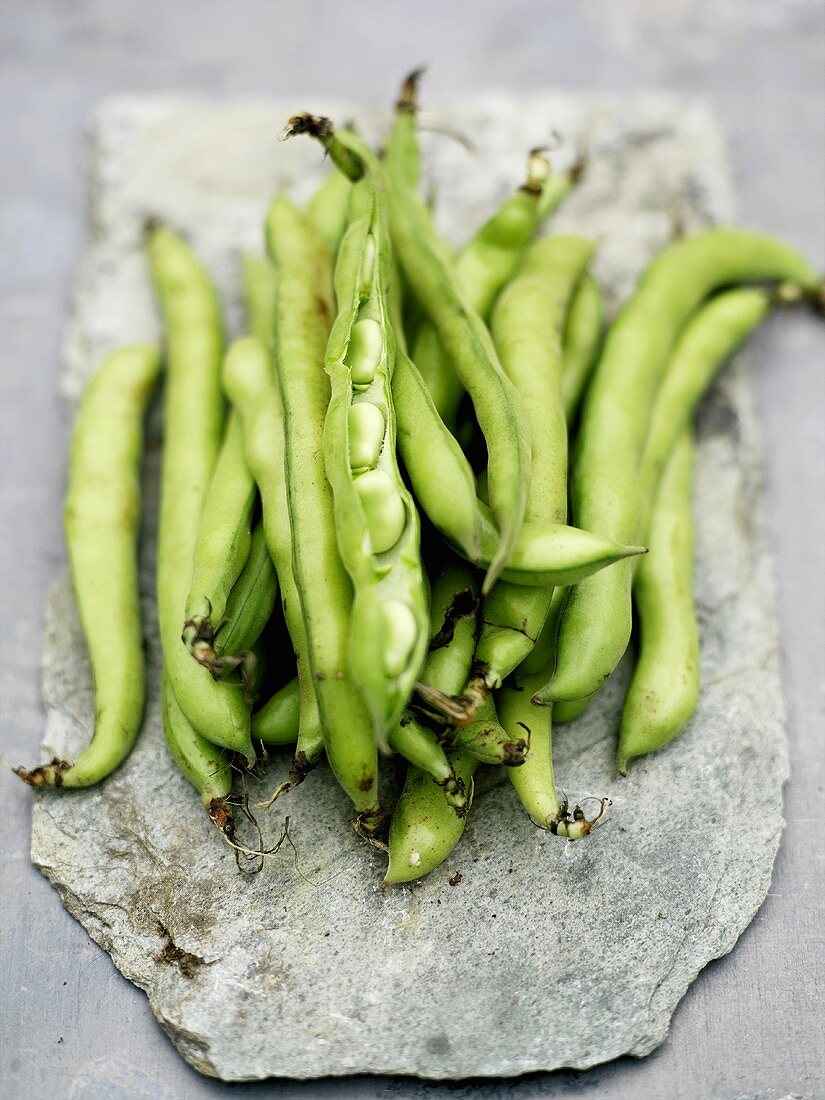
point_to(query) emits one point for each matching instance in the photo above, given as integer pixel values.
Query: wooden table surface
(752, 1024)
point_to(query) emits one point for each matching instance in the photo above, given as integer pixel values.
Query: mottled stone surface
(546, 954)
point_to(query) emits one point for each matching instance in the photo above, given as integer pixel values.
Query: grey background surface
(751, 1026)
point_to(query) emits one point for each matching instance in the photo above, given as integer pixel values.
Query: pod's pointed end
(408, 95)
(634, 551)
(220, 814)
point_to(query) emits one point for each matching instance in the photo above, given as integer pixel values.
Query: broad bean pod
(595, 627)
(328, 208)
(708, 340)
(205, 765)
(582, 336)
(248, 608)
(222, 547)
(465, 339)
(424, 829)
(487, 262)
(102, 517)
(534, 782)
(194, 413)
(277, 721)
(527, 327)
(260, 289)
(453, 621)
(664, 689)
(484, 266)
(376, 522)
(250, 382)
(304, 313)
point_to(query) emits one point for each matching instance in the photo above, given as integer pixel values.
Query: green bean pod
(568, 711)
(534, 782)
(303, 321)
(376, 523)
(466, 341)
(582, 336)
(194, 412)
(551, 554)
(424, 829)
(222, 547)
(249, 607)
(527, 327)
(421, 749)
(260, 288)
(441, 477)
(485, 265)
(664, 689)
(453, 619)
(706, 344)
(250, 382)
(327, 210)
(277, 721)
(102, 517)
(485, 739)
(595, 627)
(205, 765)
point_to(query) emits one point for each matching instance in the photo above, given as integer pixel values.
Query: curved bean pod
(706, 344)
(102, 516)
(453, 619)
(484, 266)
(582, 336)
(194, 410)
(527, 327)
(251, 385)
(534, 782)
(303, 321)
(222, 546)
(376, 523)
(595, 627)
(328, 207)
(424, 829)
(260, 289)
(486, 740)
(664, 689)
(249, 607)
(277, 721)
(466, 341)
(205, 766)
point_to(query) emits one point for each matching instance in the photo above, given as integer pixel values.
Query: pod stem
(323, 131)
(369, 823)
(458, 709)
(408, 96)
(538, 171)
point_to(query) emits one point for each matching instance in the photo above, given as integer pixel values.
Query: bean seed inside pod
(367, 265)
(384, 509)
(400, 634)
(366, 435)
(366, 345)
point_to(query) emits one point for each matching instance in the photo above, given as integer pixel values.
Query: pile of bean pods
(387, 452)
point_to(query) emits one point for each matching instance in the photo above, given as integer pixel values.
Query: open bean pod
(376, 522)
